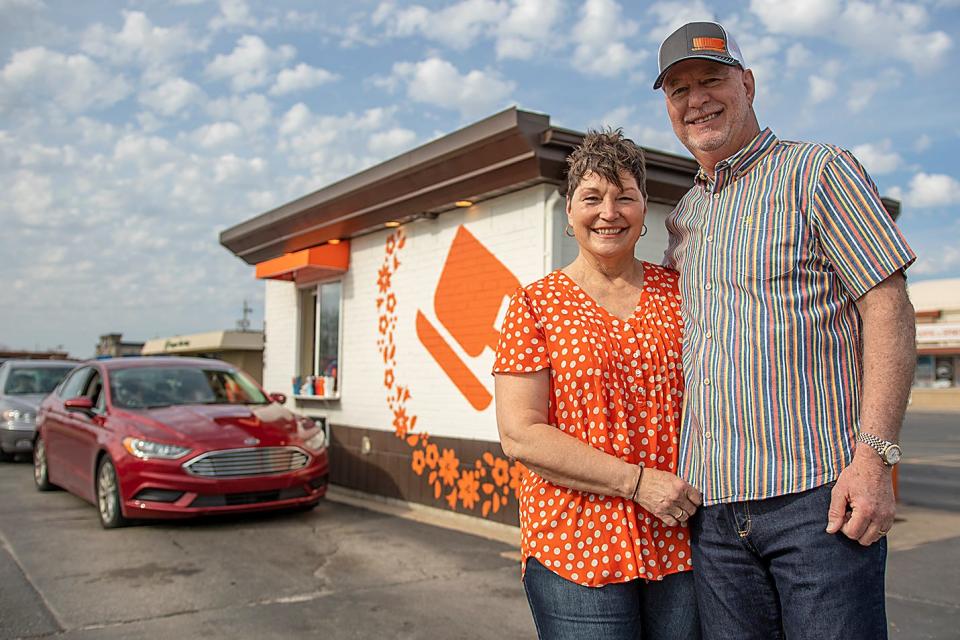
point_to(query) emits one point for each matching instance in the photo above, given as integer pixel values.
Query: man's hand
(862, 504)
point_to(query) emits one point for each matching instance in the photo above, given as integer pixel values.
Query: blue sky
(132, 133)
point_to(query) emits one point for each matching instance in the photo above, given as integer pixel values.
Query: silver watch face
(893, 454)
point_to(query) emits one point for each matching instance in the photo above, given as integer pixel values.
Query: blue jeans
(635, 610)
(767, 569)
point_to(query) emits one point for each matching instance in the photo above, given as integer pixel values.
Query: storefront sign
(945, 332)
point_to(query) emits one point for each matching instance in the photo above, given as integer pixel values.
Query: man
(799, 354)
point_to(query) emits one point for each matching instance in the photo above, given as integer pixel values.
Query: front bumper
(166, 491)
(18, 439)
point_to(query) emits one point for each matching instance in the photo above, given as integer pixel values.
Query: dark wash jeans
(767, 569)
(635, 610)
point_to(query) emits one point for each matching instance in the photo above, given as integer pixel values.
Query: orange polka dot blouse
(617, 385)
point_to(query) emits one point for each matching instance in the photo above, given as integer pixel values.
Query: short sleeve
(522, 347)
(857, 234)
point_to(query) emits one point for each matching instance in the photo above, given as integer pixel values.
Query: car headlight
(15, 415)
(146, 449)
(317, 441)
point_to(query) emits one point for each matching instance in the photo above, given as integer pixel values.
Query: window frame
(303, 292)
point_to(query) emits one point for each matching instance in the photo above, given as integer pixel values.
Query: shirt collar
(744, 159)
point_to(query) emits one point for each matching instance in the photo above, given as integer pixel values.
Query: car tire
(108, 495)
(41, 467)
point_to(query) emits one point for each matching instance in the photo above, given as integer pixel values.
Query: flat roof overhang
(306, 264)
(506, 152)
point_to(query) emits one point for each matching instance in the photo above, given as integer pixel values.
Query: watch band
(879, 445)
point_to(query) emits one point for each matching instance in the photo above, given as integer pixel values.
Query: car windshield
(151, 387)
(33, 380)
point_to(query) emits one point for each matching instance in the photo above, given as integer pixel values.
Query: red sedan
(173, 437)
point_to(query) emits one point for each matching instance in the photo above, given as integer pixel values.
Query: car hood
(29, 402)
(220, 426)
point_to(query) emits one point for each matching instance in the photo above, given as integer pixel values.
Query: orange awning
(309, 264)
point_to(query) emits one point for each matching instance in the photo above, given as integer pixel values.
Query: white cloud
(139, 41)
(862, 92)
(253, 111)
(878, 158)
(528, 29)
(601, 36)
(942, 259)
(233, 14)
(810, 17)
(821, 89)
(922, 143)
(217, 134)
(457, 26)
(73, 83)
(672, 15)
(887, 29)
(391, 142)
(798, 56)
(635, 122)
(300, 78)
(30, 197)
(171, 96)
(929, 190)
(250, 64)
(436, 81)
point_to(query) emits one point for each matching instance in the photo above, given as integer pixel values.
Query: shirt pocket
(767, 244)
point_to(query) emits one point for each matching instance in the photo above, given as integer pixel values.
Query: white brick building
(389, 287)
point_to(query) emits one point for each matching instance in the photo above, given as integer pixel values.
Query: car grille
(239, 499)
(239, 463)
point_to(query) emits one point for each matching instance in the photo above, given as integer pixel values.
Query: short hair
(606, 153)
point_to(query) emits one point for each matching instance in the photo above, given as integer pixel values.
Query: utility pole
(244, 323)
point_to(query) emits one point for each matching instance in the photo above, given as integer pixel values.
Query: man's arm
(889, 360)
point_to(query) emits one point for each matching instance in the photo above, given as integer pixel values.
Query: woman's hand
(667, 496)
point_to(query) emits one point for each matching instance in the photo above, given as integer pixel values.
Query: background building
(243, 349)
(937, 381)
(112, 345)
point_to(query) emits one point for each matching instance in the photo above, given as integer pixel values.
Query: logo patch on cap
(709, 44)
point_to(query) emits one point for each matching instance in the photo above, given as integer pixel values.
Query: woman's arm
(522, 400)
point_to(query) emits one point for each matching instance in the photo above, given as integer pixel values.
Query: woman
(588, 392)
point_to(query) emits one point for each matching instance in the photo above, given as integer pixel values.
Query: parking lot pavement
(337, 572)
(343, 571)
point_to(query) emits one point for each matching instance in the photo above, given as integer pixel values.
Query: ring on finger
(682, 515)
(883, 533)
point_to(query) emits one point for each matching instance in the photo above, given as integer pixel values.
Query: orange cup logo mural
(469, 294)
(471, 290)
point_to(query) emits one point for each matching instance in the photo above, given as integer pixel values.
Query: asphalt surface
(345, 572)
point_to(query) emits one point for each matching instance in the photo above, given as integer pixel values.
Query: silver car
(23, 385)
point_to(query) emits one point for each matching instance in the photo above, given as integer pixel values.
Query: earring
(568, 231)
(643, 231)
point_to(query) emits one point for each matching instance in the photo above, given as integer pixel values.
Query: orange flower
(401, 422)
(418, 462)
(449, 467)
(469, 489)
(388, 378)
(383, 279)
(433, 455)
(391, 243)
(391, 302)
(500, 471)
(517, 474)
(384, 324)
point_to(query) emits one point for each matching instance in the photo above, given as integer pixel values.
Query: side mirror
(279, 398)
(79, 404)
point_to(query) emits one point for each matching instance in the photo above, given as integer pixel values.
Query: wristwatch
(889, 452)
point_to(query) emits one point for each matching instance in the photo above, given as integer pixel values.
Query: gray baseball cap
(703, 40)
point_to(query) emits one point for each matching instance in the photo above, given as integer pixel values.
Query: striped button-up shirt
(773, 253)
